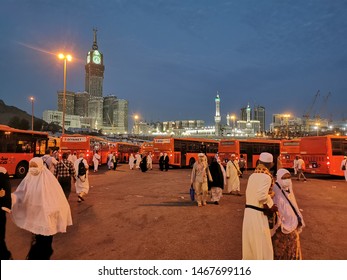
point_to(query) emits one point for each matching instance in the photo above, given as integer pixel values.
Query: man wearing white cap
(200, 175)
(256, 236)
(233, 172)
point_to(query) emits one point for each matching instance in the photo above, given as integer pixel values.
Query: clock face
(96, 59)
(88, 58)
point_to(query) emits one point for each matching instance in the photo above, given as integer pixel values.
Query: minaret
(248, 112)
(217, 117)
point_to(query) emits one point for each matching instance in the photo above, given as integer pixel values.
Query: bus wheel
(22, 169)
(191, 162)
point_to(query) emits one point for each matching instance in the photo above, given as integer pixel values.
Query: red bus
(289, 149)
(85, 144)
(53, 143)
(249, 148)
(323, 154)
(123, 150)
(147, 147)
(183, 152)
(18, 147)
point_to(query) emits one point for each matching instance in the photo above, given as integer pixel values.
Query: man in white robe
(149, 161)
(72, 157)
(131, 161)
(82, 182)
(256, 236)
(138, 160)
(233, 172)
(110, 162)
(96, 160)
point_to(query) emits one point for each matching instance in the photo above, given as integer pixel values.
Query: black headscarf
(5, 184)
(217, 175)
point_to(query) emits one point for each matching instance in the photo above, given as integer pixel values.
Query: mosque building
(242, 127)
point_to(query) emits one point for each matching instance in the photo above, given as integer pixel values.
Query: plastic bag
(192, 193)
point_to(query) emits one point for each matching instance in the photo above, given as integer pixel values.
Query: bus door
(183, 154)
(245, 157)
(247, 150)
(41, 146)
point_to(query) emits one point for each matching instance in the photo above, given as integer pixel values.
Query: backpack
(45, 162)
(303, 165)
(81, 169)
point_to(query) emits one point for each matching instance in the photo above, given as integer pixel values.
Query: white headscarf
(288, 219)
(41, 206)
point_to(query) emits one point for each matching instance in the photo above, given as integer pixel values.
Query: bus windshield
(18, 147)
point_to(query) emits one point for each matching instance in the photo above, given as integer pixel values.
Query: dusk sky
(169, 58)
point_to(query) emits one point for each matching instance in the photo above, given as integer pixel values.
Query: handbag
(272, 219)
(268, 212)
(192, 193)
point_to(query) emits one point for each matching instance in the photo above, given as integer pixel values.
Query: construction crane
(323, 108)
(308, 112)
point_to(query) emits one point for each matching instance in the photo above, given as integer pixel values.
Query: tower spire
(95, 43)
(217, 117)
(248, 112)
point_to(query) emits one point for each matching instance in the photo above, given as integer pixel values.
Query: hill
(8, 112)
(17, 118)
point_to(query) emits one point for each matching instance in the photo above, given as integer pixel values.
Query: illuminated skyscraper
(96, 111)
(94, 70)
(259, 115)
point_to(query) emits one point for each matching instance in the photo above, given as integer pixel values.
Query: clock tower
(94, 70)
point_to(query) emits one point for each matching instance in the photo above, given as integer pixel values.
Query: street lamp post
(32, 99)
(65, 58)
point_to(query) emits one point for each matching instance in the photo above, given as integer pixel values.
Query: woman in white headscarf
(41, 208)
(285, 235)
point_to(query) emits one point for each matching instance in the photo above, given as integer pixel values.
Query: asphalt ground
(131, 215)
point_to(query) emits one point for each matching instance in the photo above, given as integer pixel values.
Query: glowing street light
(233, 118)
(287, 116)
(65, 58)
(317, 127)
(32, 99)
(136, 124)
